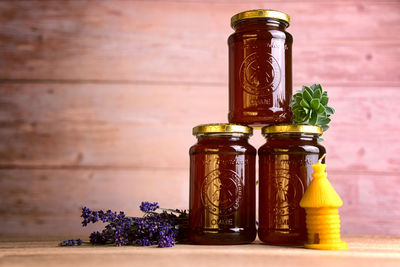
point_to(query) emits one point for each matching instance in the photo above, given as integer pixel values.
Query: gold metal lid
(292, 128)
(259, 13)
(222, 128)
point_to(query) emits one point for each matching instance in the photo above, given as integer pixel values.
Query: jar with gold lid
(260, 68)
(222, 185)
(285, 168)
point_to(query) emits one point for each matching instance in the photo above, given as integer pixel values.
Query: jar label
(221, 192)
(286, 192)
(260, 73)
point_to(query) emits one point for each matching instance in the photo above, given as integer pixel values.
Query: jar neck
(293, 136)
(261, 23)
(221, 137)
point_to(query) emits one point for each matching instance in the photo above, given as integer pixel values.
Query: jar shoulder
(267, 33)
(236, 147)
(292, 147)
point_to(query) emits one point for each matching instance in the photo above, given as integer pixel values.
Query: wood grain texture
(98, 98)
(40, 201)
(363, 251)
(148, 126)
(167, 41)
(49, 201)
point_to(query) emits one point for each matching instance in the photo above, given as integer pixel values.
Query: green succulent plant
(310, 106)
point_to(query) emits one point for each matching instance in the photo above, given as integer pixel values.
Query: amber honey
(260, 68)
(222, 185)
(285, 168)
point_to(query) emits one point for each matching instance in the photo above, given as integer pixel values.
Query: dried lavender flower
(71, 243)
(148, 206)
(163, 229)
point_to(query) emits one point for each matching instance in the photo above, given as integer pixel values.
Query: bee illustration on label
(221, 192)
(260, 74)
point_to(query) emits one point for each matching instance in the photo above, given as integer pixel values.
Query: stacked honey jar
(223, 163)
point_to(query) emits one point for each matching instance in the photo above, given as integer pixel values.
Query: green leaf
(313, 87)
(296, 106)
(321, 109)
(303, 103)
(324, 127)
(310, 105)
(317, 94)
(309, 113)
(329, 110)
(298, 113)
(316, 87)
(324, 100)
(299, 116)
(315, 104)
(302, 119)
(305, 88)
(323, 120)
(297, 110)
(307, 96)
(313, 119)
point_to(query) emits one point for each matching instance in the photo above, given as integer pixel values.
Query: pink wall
(98, 98)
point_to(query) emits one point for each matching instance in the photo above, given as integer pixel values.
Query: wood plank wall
(98, 98)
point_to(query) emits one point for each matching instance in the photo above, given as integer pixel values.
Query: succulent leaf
(308, 90)
(323, 121)
(324, 100)
(315, 87)
(325, 127)
(321, 109)
(304, 103)
(314, 117)
(310, 106)
(307, 96)
(317, 94)
(329, 111)
(314, 104)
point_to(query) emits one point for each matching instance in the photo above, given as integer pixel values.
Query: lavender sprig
(163, 229)
(148, 206)
(71, 243)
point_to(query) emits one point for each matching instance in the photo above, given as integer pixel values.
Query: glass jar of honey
(285, 168)
(260, 68)
(222, 185)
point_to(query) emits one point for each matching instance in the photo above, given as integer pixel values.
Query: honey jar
(260, 68)
(222, 185)
(285, 168)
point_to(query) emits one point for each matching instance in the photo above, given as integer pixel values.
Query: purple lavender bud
(166, 241)
(159, 229)
(143, 242)
(89, 216)
(96, 238)
(148, 206)
(71, 242)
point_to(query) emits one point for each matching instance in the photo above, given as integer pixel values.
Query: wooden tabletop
(363, 251)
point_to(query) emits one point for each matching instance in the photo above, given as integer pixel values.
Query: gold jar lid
(259, 13)
(292, 128)
(222, 128)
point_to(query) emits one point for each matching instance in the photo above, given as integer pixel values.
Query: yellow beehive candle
(322, 217)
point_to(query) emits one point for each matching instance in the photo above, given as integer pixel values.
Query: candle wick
(320, 160)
